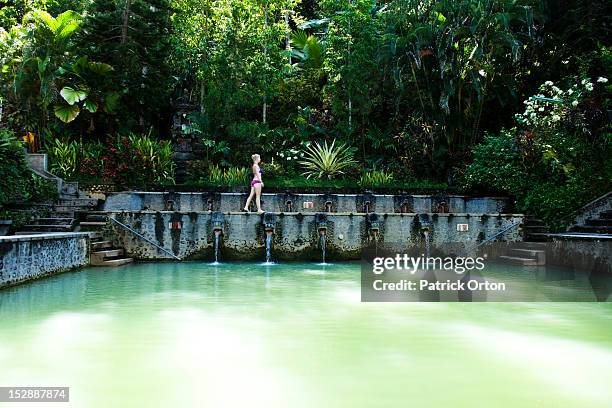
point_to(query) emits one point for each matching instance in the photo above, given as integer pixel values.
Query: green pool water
(294, 335)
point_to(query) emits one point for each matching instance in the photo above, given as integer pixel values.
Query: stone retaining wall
(28, 257)
(295, 236)
(306, 203)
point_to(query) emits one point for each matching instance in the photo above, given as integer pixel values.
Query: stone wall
(28, 257)
(191, 235)
(286, 202)
(592, 209)
(581, 254)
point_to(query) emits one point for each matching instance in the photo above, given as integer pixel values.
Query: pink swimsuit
(255, 181)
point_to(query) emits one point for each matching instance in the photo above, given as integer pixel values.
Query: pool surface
(292, 335)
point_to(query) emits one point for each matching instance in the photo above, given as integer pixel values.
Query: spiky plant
(327, 160)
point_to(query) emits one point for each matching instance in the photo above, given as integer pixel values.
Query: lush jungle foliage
(409, 88)
(18, 183)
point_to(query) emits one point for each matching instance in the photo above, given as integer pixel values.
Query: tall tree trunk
(288, 35)
(265, 103)
(350, 100)
(126, 21)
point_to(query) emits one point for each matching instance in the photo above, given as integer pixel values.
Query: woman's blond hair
(254, 156)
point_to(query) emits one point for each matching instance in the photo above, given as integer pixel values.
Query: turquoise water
(296, 335)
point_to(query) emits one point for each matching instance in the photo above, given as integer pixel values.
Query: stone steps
(30, 232)
(116, 262)
(533, 227)
(103, 253)
(592, 229)
(537, 255)
(98, 257)
(52, 221)
(48, 227)
(596, 222)
(99, 224)
(79, 202)
(519, 260)
(99, 245)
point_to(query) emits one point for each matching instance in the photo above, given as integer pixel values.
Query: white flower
(570, 91)
(584, 81)
(556, 89)
(294, 157)
(556, 118)
(482, 73)
(281, 154)
(575, 103)
(548, 83)
(602, 80)
(288, 158)
(589, 86)
(565, 62)
(541, 109)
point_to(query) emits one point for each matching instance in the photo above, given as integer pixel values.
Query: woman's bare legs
(248, 201)
(258, 197)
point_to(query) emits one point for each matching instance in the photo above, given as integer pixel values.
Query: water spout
(217, 235)
(322, 232)
(425, 232)
(374, 236)
(289, 205)
(268, 245)
(328, 206)
(366, 207)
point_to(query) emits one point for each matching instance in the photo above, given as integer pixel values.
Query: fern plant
(327, 160)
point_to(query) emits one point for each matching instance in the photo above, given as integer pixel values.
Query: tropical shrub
(132, 160)
(376, 178)
(17, 181)
(14, 171)
(327, 160)
(557, 160)
(272, 169)
(139, 160)
(233, 176)
(63, 157)
(39, 190)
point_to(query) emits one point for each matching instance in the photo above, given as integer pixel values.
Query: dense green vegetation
(415, 92)
(18, 182)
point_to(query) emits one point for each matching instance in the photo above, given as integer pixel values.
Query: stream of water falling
(268, 245)
(217, 234)
(322, 237)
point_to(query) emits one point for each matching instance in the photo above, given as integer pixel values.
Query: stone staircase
(535, 230)
(72, 214)
(532, 251)
(600, 224)
(62, 218)
(104, 254)
(526, 254)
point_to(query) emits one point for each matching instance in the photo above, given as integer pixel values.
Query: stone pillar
(182, 142)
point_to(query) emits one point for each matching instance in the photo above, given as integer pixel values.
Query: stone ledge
(46, 236)
(300, 213)
(577, 236)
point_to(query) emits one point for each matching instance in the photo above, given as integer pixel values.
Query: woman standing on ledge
(256, 185)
